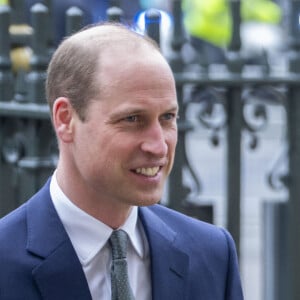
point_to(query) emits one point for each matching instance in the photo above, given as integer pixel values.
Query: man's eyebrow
(127, 111)
(173, 108)
(138, 111)
(135, 110)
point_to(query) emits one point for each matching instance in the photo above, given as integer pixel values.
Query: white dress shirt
(90, 237)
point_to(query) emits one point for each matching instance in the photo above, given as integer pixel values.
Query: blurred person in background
(209, 24)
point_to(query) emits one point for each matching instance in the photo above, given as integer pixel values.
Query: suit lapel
(59, 275)
(169, 265)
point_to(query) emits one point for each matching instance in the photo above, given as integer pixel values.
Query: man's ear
(63, 119)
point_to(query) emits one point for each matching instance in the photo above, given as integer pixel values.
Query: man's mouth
(150, 172)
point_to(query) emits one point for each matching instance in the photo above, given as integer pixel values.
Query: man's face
(124, 150)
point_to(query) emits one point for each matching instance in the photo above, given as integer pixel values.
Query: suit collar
(169, 264)
(55, 276)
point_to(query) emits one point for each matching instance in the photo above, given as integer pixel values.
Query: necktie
(120, 287)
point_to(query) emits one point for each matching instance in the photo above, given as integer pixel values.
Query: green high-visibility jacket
(211, 19)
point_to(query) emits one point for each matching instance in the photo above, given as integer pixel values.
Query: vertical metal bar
(293, 228)
(39, 60)
(114, 14)
(293, 135)
(234, 129)
(74, 20)
(18, 11)
(152, 24)
(51, 26)
(6, 95)
(177, 191)
(235, 43)
(178, 37)
(6, 78)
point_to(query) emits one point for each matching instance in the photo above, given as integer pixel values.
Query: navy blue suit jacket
(189, 259)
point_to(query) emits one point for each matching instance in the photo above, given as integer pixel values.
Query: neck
(111, 213)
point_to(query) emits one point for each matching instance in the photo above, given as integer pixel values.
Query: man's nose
(154, 141)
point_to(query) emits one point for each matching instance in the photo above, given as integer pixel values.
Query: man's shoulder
(13, 236)
(187, 226)
(169, 215)
(191, 235)
(16, 221)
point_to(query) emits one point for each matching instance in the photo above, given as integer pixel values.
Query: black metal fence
(28, 146)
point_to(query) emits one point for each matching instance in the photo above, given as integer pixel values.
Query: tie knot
(118, 241)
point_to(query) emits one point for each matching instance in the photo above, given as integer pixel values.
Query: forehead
(130, 84)
(141, 78)
(131, 68)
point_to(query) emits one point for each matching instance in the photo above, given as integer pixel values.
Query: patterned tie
(120, 287)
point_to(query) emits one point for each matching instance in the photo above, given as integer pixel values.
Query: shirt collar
(87, 234)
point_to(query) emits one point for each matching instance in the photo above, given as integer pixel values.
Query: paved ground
(209, 164)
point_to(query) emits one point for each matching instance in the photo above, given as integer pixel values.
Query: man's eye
(131, 119)
(168, 116)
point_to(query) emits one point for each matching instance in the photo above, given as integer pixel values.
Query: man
(113, 106)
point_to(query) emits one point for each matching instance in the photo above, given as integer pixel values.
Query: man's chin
(147, 201)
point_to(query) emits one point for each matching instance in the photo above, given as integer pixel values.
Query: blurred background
(237, 70)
